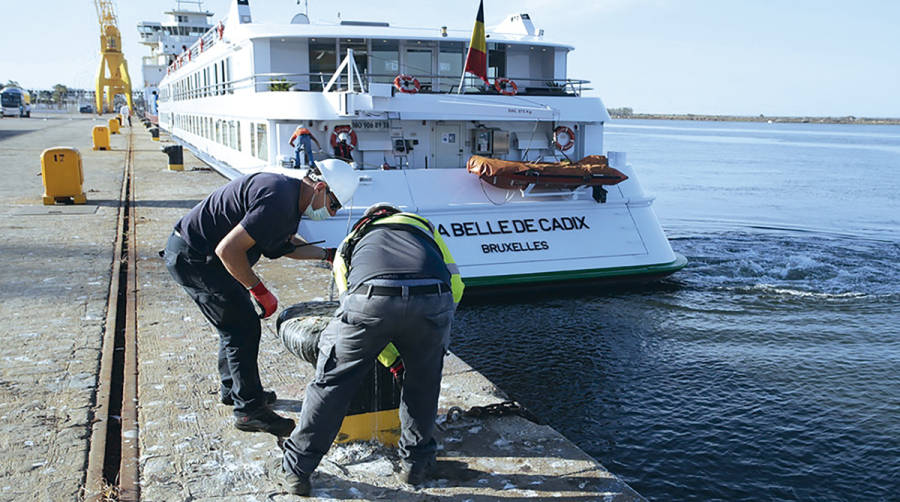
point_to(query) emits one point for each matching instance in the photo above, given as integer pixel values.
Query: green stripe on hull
(636, 273)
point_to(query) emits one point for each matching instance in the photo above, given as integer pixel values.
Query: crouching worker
(399, 284)
(211, 254)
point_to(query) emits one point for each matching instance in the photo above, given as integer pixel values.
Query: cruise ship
(511, 169)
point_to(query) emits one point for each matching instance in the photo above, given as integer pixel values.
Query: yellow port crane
(111, 57)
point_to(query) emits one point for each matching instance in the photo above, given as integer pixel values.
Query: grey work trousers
(419, 326)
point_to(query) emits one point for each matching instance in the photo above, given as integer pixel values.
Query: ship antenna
(305, 7)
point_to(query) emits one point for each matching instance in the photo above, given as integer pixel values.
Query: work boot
(270, 396)
(414, 473)
(264, 420)
(298, 485)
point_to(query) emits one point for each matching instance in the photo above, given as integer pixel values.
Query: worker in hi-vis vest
(399, 290)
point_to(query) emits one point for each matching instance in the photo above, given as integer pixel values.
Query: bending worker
(303, 135)
(211, 254)
(399, 284)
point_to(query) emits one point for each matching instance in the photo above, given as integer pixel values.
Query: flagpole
(476, 56)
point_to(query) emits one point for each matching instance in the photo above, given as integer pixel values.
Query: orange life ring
(221, 29)
(407, 83)
(506, 86)
(570, 138)
(340, 129)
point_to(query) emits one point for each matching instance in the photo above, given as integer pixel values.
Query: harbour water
(769, 368)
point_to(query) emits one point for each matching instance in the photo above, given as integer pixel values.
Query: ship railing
(428, 84)
(201, 45)
(317, 82)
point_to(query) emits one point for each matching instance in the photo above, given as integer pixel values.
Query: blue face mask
(316, 214)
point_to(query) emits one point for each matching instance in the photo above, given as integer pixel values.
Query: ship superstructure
(395, 96)
(181, 27)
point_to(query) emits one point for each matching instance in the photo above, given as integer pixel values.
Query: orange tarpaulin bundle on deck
(592, 170)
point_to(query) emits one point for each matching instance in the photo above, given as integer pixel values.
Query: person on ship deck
(303, 136)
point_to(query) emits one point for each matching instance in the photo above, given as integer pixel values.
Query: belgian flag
(476, 59)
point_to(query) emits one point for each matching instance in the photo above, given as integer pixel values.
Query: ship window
(496, 61)
(322, 59)
(223, 77)
(385, 59)
(262, 142)
(360, 52)
(419, 64)
(252, 139)
(450, 64)
(237, 135)
(227, 70)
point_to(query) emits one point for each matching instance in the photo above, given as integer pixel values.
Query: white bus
(15, 102)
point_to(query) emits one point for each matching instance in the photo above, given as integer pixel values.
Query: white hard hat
(340, 177)
(344, 137)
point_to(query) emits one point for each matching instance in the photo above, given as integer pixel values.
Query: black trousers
(227, 306)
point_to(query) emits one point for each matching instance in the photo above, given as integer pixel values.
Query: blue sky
(743, 57)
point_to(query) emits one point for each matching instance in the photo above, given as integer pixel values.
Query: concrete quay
(55, 274)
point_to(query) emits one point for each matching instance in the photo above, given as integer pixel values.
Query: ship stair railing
(353, 76)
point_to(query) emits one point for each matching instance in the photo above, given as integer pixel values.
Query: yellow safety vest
(390, 354)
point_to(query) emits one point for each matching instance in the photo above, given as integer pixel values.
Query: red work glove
(329, 255)
(397, 370)
(265, 299)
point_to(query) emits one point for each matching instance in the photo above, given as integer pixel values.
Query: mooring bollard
(113, 126)
(63, 175)
(373, 412)
(100, 135)
(176, 157)
(154, 133)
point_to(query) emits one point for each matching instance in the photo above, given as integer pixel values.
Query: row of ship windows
(227, 133)
(212, 80)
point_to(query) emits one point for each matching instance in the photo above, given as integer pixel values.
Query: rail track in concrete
(112, 470)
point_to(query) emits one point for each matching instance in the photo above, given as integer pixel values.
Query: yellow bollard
(113, 126)
(62, 174)
(101, 137)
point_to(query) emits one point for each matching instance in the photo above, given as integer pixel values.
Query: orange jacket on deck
(299, 132)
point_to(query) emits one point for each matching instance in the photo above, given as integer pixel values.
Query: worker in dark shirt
(399, 284)
(211, 254)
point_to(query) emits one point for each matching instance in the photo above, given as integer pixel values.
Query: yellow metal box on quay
(62, 174)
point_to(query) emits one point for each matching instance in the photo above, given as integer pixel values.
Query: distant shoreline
(759, 118)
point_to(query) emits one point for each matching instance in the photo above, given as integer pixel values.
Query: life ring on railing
(201, 45)
(220, 29)
(407, 83)
(338, 130)
(506, 86)
(570, 138)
